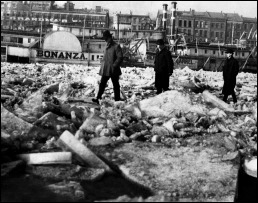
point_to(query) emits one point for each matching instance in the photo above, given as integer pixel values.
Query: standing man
(110, 67)
(163, 67)
(230, 71)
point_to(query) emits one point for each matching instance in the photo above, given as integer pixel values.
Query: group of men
(163, 66)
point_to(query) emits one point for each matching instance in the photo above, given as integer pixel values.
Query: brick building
(40, 16)
(132, 22)
(213, 27)
(39, 5)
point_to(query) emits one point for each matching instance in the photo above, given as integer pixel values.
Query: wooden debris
(68, 141)
(47, 158)
(210, 98)
(56, 109)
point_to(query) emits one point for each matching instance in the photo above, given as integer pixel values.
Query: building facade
(196, 26)
(96, 33)
(39, 5)
(132, 22)
(33, 17)
(212, 27)
(249, 31)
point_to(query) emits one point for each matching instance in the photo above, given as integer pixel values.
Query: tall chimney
(68, 5)
(165, 15)
(173, 18)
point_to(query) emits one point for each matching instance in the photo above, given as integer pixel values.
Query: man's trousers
(103, 84)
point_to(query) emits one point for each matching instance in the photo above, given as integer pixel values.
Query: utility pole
(118, 28)
(41, 28)
(197, 45)
(83, 31)
(40, 35)
(232, 39)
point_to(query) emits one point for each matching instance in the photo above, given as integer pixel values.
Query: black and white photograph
(128, 101)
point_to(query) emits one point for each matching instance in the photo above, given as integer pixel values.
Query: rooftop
(219, 15)
(216, 14)
(234, 17)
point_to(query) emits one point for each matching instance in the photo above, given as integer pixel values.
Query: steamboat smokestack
(173, 18)
(165, 14)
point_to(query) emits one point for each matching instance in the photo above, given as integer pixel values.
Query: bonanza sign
(60, 55)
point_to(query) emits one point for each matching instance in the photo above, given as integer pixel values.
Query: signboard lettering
(82, 57)
(47, 54)
(54, 54)
(39, 53)
(60, 55)
(68, 55)
(75, 55)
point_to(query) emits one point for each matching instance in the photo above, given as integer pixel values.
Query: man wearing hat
(230, 71)
(163, 66)
(110, 67)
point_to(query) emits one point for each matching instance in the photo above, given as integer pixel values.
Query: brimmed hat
(106, 34)
(229, 50)
(160, 42)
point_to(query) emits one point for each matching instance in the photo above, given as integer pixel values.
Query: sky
(245, 8)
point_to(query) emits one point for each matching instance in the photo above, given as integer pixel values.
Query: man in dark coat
(230, 71)
(110, 67)
(163, 66)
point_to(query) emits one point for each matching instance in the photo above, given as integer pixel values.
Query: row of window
(202, 33)
(199, 24)
(184, 23)
(128, 21)
(217, 34)
(52, 19)
(55, 15)
(221, 52)
(147, 27)
(14, 39)
(218, 25)
(35, 22)
(248, 26)
(204, 24)
(245, 26)
(185, 31)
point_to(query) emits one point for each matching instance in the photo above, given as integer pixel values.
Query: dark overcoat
(112, 59)
(163, 62)
(163, 67)
(230, 71)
